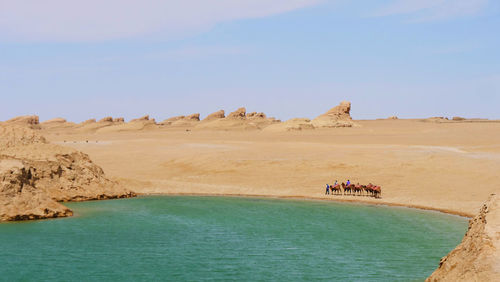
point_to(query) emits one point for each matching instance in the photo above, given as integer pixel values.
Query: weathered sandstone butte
(35, 175)
(338, 116)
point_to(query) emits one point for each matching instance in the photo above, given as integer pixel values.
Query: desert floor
(451, 167)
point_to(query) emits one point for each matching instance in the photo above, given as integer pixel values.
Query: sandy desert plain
(446, 166)
(433, 163)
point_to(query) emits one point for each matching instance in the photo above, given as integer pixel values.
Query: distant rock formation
(238, 114)
(458, 118)
(256, 115)
(57, 124)
(30, 121)
(477, 258)
(106, 119)
(92, 120)
(436, 119)
(195, 117)
(118, 124)
(335, 117)
(141, 119)
(55, 120)
(294, 124)
(237, 120)
(34, 175)
(171, 120)
(217, 115)
(182, 121)
(393, 117)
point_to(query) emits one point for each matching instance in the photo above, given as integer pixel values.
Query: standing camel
(336, 189)
(346, 189)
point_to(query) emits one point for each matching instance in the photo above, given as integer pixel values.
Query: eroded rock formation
(477, 257)
(217, 115)
(338, 116)
(35, 175)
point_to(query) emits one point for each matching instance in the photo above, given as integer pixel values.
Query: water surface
(223, 238)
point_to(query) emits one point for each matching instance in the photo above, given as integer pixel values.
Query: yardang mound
(34, 175)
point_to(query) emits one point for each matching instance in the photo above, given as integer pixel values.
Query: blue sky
(287, 58)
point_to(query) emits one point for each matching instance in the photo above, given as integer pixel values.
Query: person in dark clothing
(327, 189)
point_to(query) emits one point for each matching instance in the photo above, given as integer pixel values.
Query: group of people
(328, 187)
(349, 188)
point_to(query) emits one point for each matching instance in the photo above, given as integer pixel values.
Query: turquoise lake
(224, 238)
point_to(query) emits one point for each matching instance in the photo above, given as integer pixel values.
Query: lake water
(225, 238)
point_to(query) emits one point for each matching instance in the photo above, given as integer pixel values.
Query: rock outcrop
(238, 114)
(20, 199)
(106, 119)
(171, 120)
(477, 257)
(118, 124)
(182, 121)
(29, 121)
(141, 119)
(237, 120)
(217, 115)
(57, 124)
(35, 175)
(338, 116)
(92, 120)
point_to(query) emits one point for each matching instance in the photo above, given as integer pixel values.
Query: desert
(284, 140)
(441, 166)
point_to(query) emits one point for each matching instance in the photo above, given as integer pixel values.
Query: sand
(450, 167)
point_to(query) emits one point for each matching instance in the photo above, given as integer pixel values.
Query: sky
(287, 58)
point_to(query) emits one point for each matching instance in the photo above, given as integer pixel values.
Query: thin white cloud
(431, 10)
(91, 20)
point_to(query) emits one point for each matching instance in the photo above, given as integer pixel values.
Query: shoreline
(390, 204)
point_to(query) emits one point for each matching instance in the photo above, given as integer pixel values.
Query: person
(335, 183)
(348, 182)
(327, 189)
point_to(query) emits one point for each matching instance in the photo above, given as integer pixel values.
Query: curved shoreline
(382, 203)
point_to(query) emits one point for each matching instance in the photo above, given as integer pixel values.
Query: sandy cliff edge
(477, 257)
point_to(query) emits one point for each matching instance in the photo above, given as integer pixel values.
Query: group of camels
(369, 190)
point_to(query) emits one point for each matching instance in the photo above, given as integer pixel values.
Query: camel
(347, 188)
(377, 191)
(370, 190)
(336, 189)
(357, 189)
